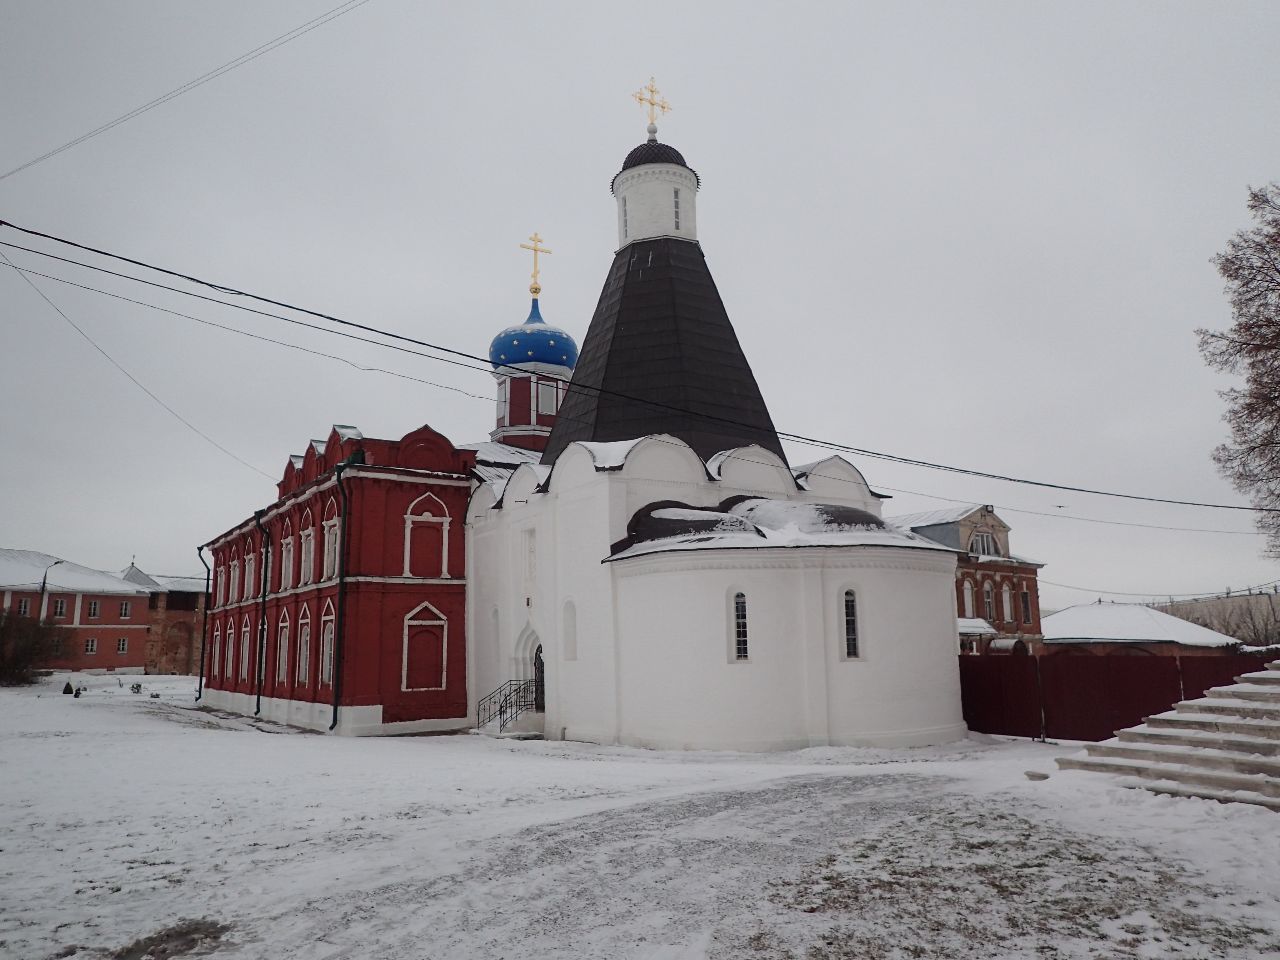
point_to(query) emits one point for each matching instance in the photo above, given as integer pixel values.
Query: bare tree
(1251, 267)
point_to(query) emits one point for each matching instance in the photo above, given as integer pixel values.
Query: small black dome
(651, 151)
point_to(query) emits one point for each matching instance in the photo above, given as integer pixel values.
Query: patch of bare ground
(948, 885)
(186, 938)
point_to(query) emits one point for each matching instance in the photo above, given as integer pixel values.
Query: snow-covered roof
(971, 626)
(297, 460)
(347, 432)
(610, 455)
(932, 518)
(24, 569)
(181, 584)
(1126, 623)
(492, 452)
(134, 575)
(760, 523)
(318, 446)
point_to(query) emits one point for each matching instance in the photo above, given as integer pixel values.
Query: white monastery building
(642, 564)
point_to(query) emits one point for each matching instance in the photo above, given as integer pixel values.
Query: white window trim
(307, 549)
(858, 639)
(91, 646)
(733, 594)
(328, 641)
(413, 620)
(302, 675)
(122, 645)
(282, 648)
(126, 609)
(245, 644)
(411, 518)
(214, 664)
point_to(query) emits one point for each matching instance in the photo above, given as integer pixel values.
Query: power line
(138, 383)
(797, 438)
(489, 400)
(199, 81)
(1171, 596)
(255, 336)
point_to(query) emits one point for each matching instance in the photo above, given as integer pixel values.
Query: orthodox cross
(534, 288)
(652, 101)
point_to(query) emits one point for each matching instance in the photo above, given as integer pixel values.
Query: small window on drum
(850, 625)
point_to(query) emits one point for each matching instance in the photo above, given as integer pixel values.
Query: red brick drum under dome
(342, 605)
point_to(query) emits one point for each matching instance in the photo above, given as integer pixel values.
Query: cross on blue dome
(534, 341)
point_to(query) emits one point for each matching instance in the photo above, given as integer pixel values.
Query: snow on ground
(125, 815)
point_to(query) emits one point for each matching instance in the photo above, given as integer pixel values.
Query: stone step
(1170, 789)
(1266, 677)
(1236, 743)
(1230, 708)
(1215, 723)
(1253, 692)
(1175, 773)
(1198, 757)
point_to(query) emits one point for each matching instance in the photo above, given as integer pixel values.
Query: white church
(660, 574)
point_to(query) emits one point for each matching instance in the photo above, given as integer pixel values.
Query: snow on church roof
(759, 523)
(24, 570)
(932, 518)
(1127, 623)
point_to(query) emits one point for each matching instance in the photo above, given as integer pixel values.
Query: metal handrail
(506, 703)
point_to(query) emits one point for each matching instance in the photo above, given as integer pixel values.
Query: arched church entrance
(539, 681)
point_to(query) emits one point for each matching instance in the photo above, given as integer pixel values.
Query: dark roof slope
(661, 356)
(653, 152)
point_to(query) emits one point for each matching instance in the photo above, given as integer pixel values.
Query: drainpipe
(356, 458)
(204, 624)
(262, 608)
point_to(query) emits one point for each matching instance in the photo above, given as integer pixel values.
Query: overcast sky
(978, 234)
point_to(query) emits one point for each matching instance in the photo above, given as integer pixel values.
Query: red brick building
(342, 605)
(993, 585)
(105, 616)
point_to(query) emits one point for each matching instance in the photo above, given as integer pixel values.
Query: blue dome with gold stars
(534, 341)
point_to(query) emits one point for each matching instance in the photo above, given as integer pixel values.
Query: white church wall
(835, 480)
(681, 687)
(753, 470)
(646, 202)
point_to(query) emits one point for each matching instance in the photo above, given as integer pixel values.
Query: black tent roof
(661, 356)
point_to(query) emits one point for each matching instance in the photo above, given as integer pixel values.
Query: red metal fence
(1079, 697)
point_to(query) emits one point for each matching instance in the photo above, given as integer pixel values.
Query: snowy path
(124, 814)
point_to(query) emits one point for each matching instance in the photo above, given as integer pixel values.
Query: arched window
(569, 627)
(233, 593)
(282, 648)
(676, 207)
(989, 602)
(426, 538)
(968, 599)
(307, 547)
(244, 650)
(331, 539)
(740, 648)
(850, 625)
(983, 545)
(229, 673)
(215, 661)
(250, 581)
(286, 557)
(304, 648)
(326, 645)
(220, 576)
(1006, 596)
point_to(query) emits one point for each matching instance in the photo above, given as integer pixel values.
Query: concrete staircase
(1224, 746)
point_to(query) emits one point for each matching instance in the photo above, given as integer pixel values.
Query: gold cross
(534, 288)
(652, 101)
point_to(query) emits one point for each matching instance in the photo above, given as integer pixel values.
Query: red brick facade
(365, 602)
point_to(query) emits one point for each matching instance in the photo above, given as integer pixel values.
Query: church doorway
(539, 681)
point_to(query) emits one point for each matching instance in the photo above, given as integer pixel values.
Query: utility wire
(190, 85)
(138, 383)
(1244, 592)
(797, 438)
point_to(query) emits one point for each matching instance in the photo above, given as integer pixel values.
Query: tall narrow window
(122, 645)
(326, 652)
(307, 540)
(1026, 606)
(93, 609)
(968, 599)
(740, 626)
(244, 650)
(1006, 599)
(234, 594)
(624, 218)
(547, 396)
(250, 583)
(91, 645)
(989, 602)
(304, 647)
(331, 530)
(24, 607)
(850, 625)
(282, 648)
(59, 607)
(677, 207)
(125, 609)
(215, 661)
(286, 557)
(231, 650)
